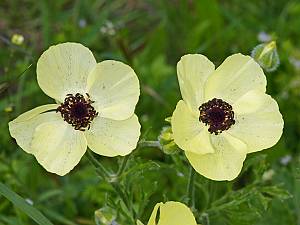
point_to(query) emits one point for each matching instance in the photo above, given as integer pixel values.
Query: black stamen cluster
(77, 111)
(217, 114)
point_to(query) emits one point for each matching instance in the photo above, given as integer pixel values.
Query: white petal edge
(259, 122)
(114, 87)
(189, 133)
(58, 147)
(63, 69)
(193, 70)
(227, 161)
(111, 138)
(23, 127)
(237, 75)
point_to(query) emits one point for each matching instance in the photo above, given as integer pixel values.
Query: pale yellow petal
(58, 147)
(138, 222)
(237, 75)
(176, 213)
(227, 161)
(114, 87)
(113, 137)
(189, 133)
(152, 220)
(22, 128)
(193, 71)
(258, 121)
(63, 69)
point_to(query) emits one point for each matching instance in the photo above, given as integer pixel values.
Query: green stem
(102, 172)
(190, 187)
(123, 165)
(154, 144)
(125, 200)
(99, 167)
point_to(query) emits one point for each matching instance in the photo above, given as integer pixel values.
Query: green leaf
(20, 203)
(276, 192)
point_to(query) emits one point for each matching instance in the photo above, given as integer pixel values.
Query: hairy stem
(123, 165)
(154, 144)
(105, 175)
(190, 187)
(99, 167)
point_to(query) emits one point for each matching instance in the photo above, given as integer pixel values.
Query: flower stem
(191, 187)
(123, 165)
(99, 167)
(154, 144)
(125, 200)
(102, 172)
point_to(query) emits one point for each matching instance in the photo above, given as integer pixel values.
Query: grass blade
(20, 203)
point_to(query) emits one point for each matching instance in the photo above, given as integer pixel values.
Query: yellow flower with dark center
(224, 115)
(95, 108)
(171, 213)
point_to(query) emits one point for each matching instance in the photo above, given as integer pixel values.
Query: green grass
(151, 36)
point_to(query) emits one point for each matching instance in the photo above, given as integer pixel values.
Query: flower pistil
(78, 111)
(218, 114)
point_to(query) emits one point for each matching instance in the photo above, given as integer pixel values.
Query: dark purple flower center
(217, 114)
(77, 111)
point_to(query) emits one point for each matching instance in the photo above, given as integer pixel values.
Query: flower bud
(268, 175)
(17, 39)
(108, 28)
(105, 216)
(266, 56)
(8, 109)
(166, 141)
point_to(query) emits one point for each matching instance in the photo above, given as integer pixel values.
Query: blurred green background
(151, 36)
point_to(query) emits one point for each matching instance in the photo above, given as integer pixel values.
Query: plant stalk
(105, 175)
(191, 188)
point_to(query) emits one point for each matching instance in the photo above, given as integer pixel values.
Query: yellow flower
(224, 115)
(95, 108)
(171, 213)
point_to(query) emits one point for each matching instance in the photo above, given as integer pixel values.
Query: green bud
(17, 39)
(268, 175)
(166, 141)
(266, 56)
(105, 216)
(8, 109)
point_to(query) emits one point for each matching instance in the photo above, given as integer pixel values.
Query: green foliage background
(151, 36)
